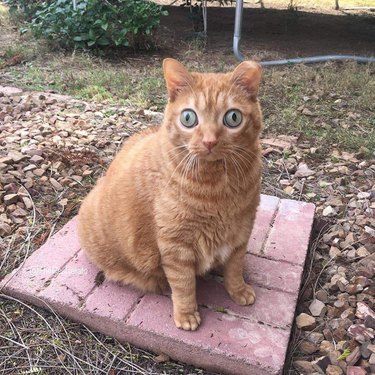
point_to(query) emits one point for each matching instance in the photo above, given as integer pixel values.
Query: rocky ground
(52, 149)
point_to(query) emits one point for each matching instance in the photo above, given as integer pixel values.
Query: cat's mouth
(210, 155)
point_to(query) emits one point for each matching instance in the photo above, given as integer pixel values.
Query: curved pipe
(306, 60)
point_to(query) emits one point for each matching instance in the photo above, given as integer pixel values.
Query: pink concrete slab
(108, 307)
(272, 274)
(45, 262)
(290, 233)
(265, 216)
(285, 230)
(223, 341)
(244, 340)
(112, 300)
(275, 309)
(71, 286)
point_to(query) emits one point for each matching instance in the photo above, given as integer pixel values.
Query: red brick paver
(232, 339)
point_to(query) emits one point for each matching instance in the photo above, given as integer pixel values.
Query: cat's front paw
(187, 321)
(243, 296)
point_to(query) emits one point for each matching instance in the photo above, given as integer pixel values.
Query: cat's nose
(210, 143)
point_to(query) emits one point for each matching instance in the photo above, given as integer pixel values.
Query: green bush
(93, 23)
(24, 8)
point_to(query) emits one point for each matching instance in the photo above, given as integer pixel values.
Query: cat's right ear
(176, 77)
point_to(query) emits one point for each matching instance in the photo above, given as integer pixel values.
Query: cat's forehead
(212, 92)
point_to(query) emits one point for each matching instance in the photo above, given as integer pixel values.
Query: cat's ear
(176, 77)
(247, 75)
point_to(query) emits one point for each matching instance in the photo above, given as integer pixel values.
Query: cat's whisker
(243, 176)
(235, 169)
(186, 170)
(241, 159)
(174, 171)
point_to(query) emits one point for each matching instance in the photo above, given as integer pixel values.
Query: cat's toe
(188, 321)
(244, 296)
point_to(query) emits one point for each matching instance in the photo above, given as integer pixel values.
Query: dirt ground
(273, 33)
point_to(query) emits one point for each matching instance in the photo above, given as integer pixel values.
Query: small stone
(5, 229)
(315, 337)
(307, 347)
(334, 252)
(39, 172)
(303, 171)
(370, 231)
(355, 370)
(353, 357)
(372, 359)
(363, 311)
(361, 333)
(363, 195)
(329, 211)
(304, 367)
(322, 362)
(27, 202)
(56, 184)
(322, 295)
(370, 322)
(161, 358)
(19, 212)
(326, 347)
(17, 156)
(333, 370)
(371, 348)
(6, 160)
(10, 199)
(348, 314)
(305, 321)
(317, 308)
(29, 167)
(362, 252)
(36, 159)
(365, 351)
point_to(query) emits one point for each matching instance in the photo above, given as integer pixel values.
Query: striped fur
(167, 209)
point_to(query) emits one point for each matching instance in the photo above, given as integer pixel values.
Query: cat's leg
(179, 267)
(234, 283)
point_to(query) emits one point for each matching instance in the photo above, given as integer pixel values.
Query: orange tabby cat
(180, 199)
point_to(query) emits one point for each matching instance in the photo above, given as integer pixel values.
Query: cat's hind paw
(243, 296)
(187, 321)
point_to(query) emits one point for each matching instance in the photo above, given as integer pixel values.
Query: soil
(272, 33)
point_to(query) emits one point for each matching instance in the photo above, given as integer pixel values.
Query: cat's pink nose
(210, 144)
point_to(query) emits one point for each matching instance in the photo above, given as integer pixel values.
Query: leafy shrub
(94, 23)
(25, 8)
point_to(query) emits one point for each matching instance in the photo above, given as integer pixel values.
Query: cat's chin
(211, 157)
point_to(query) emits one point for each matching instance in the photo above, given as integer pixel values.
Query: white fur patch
(222, 253)
(219, 256)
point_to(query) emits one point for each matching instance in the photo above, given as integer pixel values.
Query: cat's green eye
(233, 118)
(188, 118)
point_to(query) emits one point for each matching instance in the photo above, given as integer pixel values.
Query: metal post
(303, 60)
(237, 30)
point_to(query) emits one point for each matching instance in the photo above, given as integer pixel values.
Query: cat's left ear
(248, 75)
(176, 76)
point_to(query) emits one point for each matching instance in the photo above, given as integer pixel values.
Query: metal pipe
(305, 60)
(237, 30)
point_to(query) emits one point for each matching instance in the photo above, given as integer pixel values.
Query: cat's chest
(210, 259)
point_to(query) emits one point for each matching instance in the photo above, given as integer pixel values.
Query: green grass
(92, 79)
(350, 126)
(283, 91)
